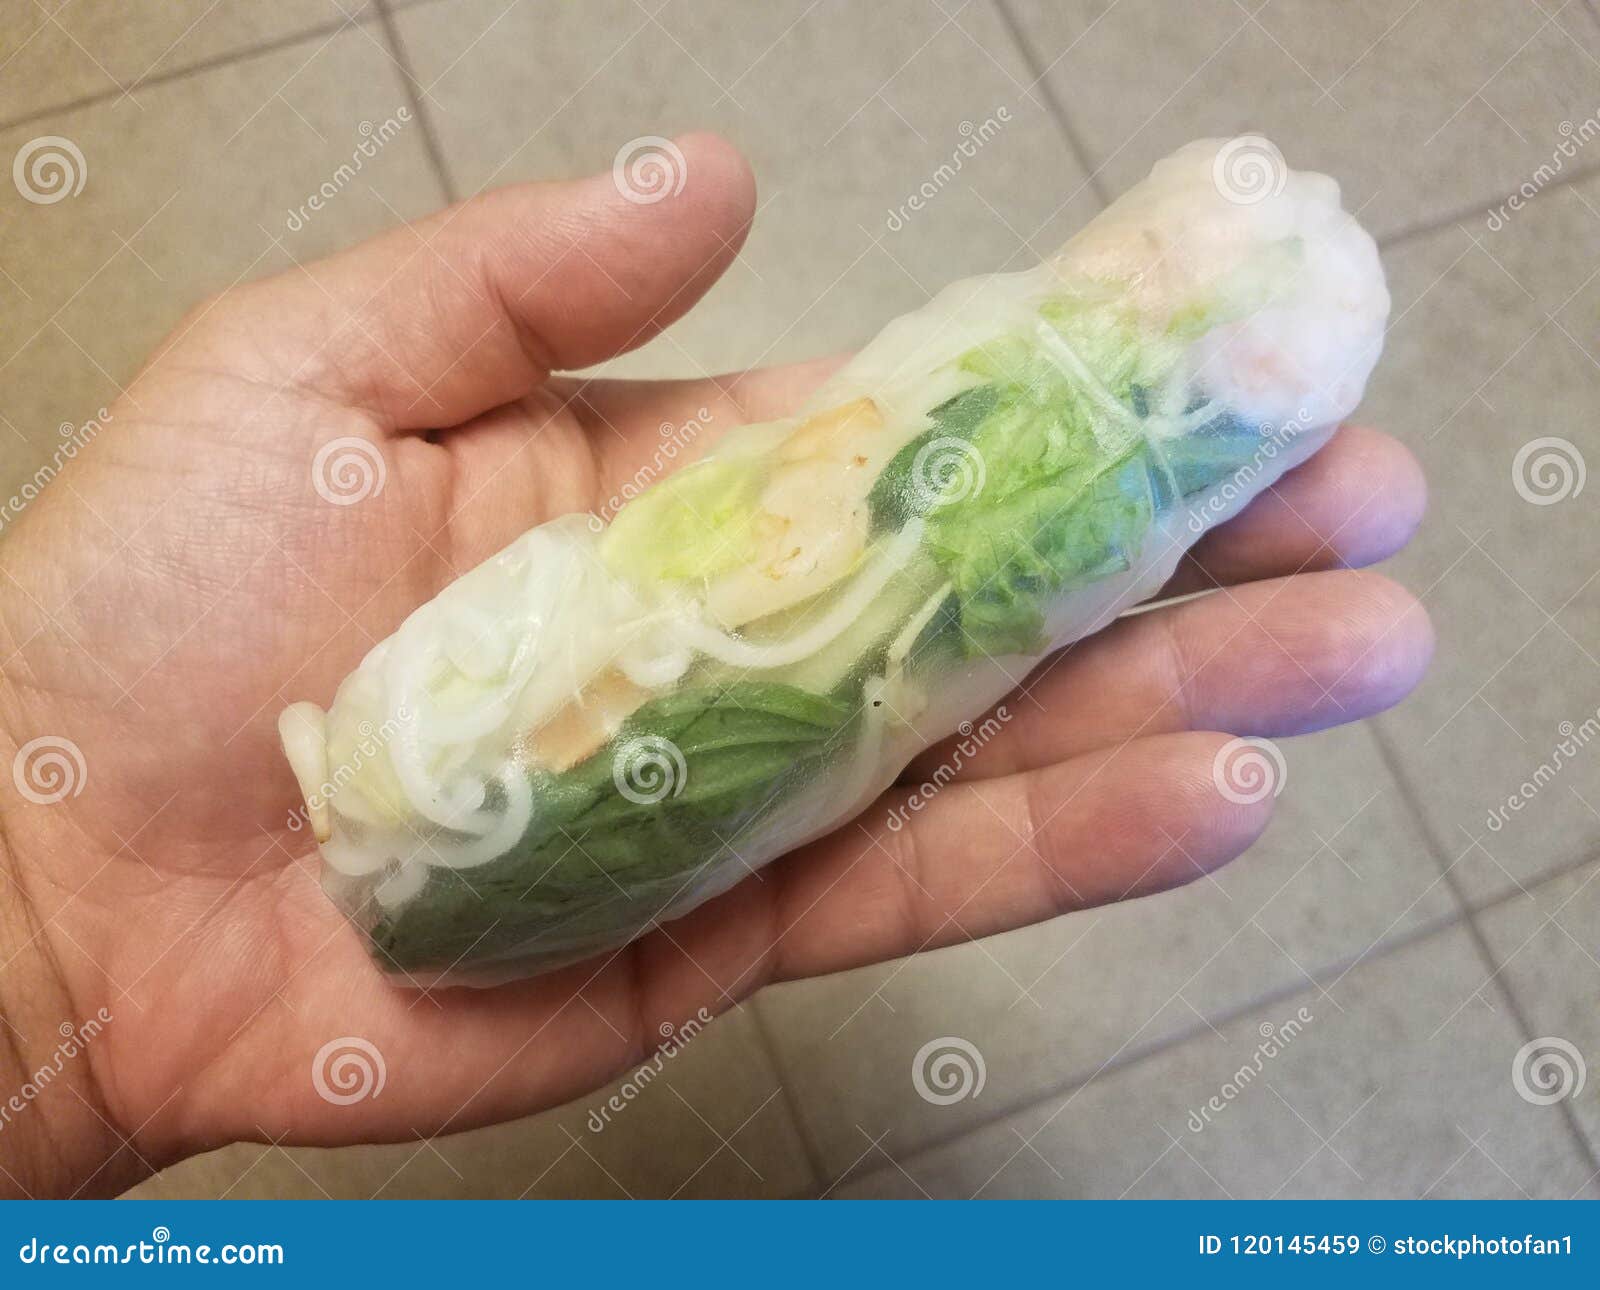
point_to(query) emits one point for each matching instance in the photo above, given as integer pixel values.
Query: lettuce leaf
(1063, 481)
(694, 524)
(1042, 534)
(1062, 494)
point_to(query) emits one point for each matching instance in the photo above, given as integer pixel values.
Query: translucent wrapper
(603, 725)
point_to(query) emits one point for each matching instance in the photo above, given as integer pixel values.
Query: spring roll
(605, 725)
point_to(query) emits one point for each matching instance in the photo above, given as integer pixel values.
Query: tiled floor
(1392, 949)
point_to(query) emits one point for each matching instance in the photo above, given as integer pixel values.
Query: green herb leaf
(1061, 495)
(1068, 481)
(1207, 456)
(1009, 559)
(593, 860)
(895, 497)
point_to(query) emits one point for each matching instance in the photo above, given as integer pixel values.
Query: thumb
(435, 322)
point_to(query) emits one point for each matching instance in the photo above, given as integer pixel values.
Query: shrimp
(812, 526)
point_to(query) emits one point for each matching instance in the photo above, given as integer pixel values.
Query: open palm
(311, 457)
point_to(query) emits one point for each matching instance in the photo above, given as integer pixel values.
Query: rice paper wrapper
(607, 724)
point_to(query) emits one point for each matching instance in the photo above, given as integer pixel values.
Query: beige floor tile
(1342, 868)
(710, 1121)
(189, 191)
(1493, 348)
(55, 52)
(1417, 109)
(844, 110)
(1398, 1085)
(1547, 945)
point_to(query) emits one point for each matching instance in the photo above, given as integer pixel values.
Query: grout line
(1134, 1056)
(1525, 1030)
(1434, 224)
(1425, 931)
(1411, 799)
(408, 76)
(1053, 103)
(1421, 932)
(1561, 869)
(1441, 854)
(802, 1130)
(273, 46)
(1586, 1149)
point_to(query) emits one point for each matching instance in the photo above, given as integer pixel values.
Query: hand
(184, 578)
